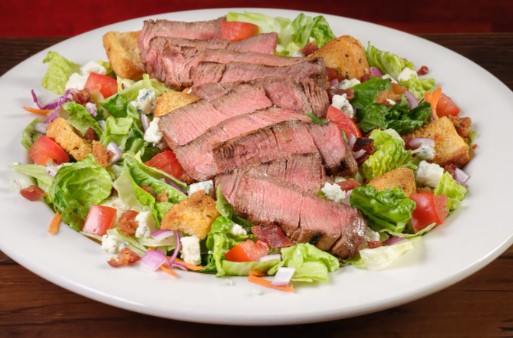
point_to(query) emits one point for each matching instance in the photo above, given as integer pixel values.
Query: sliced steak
(337, 156)
(211, 72)
(264, 145)
(305, 95)
(175, 64)
(187, 123)
(197, 156)
(330, 226)
(198, 30)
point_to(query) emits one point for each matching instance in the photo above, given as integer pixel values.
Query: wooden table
(480, 306)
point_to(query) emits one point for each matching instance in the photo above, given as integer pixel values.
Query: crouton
(193, 216)
(100, 154)
(124, 56)
(172, 100)
(450, 147)
(64, 134)
(346, 55)
(403, 178)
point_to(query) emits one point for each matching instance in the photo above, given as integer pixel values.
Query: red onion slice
(283, 276)
(351, 141)
(116, 151)
(171, 259)
(267, 258)
(460, 176)
(40, 127)
(392, 240)
(153, 259)
(162, 234)
(145, 121)
(412, 100)
(359, 153)
(179, 266)
(375, 71)
(416, 142)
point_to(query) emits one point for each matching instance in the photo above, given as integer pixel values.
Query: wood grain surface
(479, 306)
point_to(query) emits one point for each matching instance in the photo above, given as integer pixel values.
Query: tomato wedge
(247, 251)
(446, 106)
(236, 30)
(166, 161)
(430, 208)
(343, 122)
(104, 84)
(45, 149)
(33, 193)
(99, 219)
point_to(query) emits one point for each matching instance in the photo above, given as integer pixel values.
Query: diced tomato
(166, 161)
(446, 106)
(343, 122)
(430, 208)
(104, 84)
(348, 184)
(99, 219)
(247, 251)
(33, 193)
(235, 30)
(44, 149)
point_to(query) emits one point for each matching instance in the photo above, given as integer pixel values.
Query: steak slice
(330, 226)
(198, 30)
(185, 124)
(337, 156)
(304, 95)
(208, 72)
(264, 145)
(197, 156)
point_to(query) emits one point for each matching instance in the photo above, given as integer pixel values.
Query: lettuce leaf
(243, 268)
(387, 210)
(58, 72)
(454, 191)
(37, 172)
(29, 134)
(80, 118)
(76, 187)
(390, 154)
(381, 257)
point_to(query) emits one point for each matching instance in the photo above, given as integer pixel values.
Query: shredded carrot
(189, 266)
(168, 270)
(433, 99)
(37, 111)
(256, 277)
(55, 224)
(186, 90)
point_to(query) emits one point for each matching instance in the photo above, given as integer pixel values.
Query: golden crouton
(172, 100)
(64, 134)
(450, 147)
(346, 55)
(193, 216)
(403, 178)
(124, 56)
(100, 154)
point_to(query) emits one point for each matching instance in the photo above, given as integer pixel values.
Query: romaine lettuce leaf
(454, 191)
(243, 268)
(387, 210)
(30, 134)
(80, 118)
(38, 172)
(58, 72)
(76, 187)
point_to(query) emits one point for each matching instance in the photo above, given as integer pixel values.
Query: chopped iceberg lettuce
(58, 72)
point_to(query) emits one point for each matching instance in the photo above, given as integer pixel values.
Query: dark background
(66, 18)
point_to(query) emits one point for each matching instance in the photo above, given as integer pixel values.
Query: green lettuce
(372, 115)
(243, 268)
(226, 209)
(293, 35)
(29, 134)
(80, 118)
(76, 187)
(389, 154)
(393, 65)
(387, 210)
(37, 172)
(125, 132)
(454, 191)
(381, 257)
(58, 73)
(310, 263)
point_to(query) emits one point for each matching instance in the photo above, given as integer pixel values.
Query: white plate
(472, 237)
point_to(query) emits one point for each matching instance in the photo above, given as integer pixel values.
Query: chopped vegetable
(55, 224)
(256, 278)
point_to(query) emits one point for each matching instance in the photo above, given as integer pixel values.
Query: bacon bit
(463, 125)
(90, 135)
(365, 77)
(100, 154)
(37, 111)
(374, 244)
(125, 257)
(191, 267)
(309, 48)
(424, 70)
(348, 184)
(55, 224)
(81, 96)
(388, 94)
(255, 277)
(127, 223)
(168, 270)
(148, 190)
(33, 193)
(162, 197)
(366, 144)
(332, 73)
(272, 235)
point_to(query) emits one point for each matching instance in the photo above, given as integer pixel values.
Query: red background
(71, 17)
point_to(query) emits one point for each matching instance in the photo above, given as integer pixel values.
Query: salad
(99, 160)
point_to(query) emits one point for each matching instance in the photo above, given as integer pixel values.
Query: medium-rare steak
(187, 123)
(198, 30)
(197, 157)
(331, 226)
(304, 95)
(208, 72)
(264, 145)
